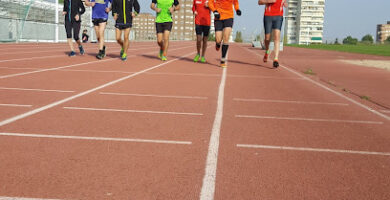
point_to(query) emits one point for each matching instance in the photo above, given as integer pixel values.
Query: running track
(79, 128)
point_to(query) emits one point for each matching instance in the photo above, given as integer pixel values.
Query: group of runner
(124, 11)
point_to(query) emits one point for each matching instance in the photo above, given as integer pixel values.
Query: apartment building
(183, 22)
(382, 32)
(144, 27)
(304, 21)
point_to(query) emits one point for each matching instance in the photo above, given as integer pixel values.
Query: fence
(37, 21)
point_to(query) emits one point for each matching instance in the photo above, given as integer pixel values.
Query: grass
(371, 49)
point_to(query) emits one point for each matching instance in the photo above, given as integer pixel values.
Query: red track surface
(141, 129)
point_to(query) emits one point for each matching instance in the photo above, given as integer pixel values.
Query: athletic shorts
(272, 22)
(200, 29)
(123, 26)
(222, 24)
(96, 22)
(75, 26)
(161, 27)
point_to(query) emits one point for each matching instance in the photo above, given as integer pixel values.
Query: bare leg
(118, 35)
(70, 42)
(276, 33)
(166, 42)
(218, 37)
(204, 47)
(126, 40)
(102, 27)
(198, 43)
(97, 33)
(267, 41)
(160, 41)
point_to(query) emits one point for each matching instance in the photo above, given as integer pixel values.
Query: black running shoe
(71, 54)
(81, 50)
(100, 55)
(276, 64)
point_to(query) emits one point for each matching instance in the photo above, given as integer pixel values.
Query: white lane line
(133, 111)
(22, 198)
(15, 105)
(208, 186)
(330, 90)
(312, 149)
(264, 77)
(33, 89)
(31, 58)
(293, 102)
(52, 69)
(151, 95)
(309, 119)
(182, 74)
(24, 115)
(18, 68)
(96, 138)
(385, 111)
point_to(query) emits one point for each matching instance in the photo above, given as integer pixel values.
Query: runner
(201, 11)
(223, 22)
(164, 10)
(124, 22)
(72, 12)
(100, 10)
(273, 20)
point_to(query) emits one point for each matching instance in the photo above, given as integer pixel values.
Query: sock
(268, 51)
(276, 59)
(225, 48)
(218, 45)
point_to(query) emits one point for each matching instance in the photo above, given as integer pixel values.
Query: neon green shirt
(165, 15)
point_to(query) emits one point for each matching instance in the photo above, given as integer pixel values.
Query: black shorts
(272, 22)
(161, 27)
(123, 26)
(200, 29)
(222, 24)
(96, 22)
(75, 26)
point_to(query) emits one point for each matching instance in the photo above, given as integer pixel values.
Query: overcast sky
(342, 17)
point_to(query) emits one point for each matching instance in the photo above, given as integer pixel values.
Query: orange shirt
(224, 7)
(274, 9)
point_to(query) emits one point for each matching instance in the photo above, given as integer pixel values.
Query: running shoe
(265, 59)
(196, 59)
(203, 59)
(100, 55)
(81, 50)
(124, 57)
(223, 63)
(276, 64)
(164, 58)
(160, 55)
(71, 54)
(121, 53)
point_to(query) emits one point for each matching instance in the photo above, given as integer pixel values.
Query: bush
(238, 37)
(350, 40)
(368, 39)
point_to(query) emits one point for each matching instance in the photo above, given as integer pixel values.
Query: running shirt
(224, 7)
(99, 10)
(274, 9)
(165, 15)
(203, 16)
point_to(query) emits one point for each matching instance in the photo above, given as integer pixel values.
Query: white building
(305, 21)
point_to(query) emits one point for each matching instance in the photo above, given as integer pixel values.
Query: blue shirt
(99, 10)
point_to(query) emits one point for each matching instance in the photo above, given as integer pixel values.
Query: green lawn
(380, 50)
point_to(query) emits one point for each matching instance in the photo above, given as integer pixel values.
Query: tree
(211, 37)
(337, 41)
(238, 37)
(368, 39)
(350, 40)
(388, 40)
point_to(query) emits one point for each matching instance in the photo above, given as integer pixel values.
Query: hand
(238, 12)
(108, 10)
(195, 13)
(64, 13)
(217, 15)
(172, 9)
(158, 10)
(133, 14)
(115, 16)
(77, 17)
(206, 4)
(93, 4)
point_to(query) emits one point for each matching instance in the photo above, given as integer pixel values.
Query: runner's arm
(176, 5)
(81, 8)
(236, 5)
(153, 6)
(212, 5)
(64, 11)
(114, 6)
(136, 7)
(193, 6)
